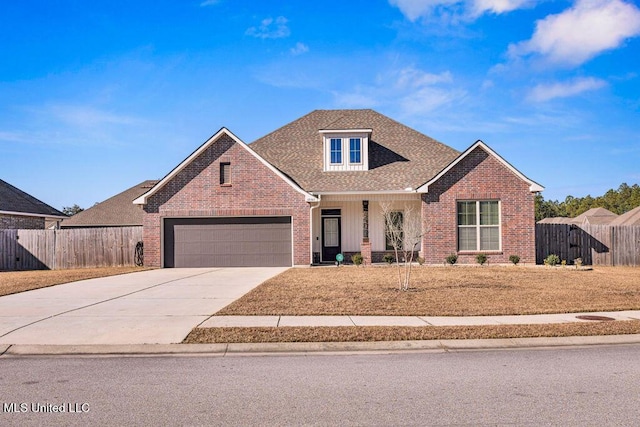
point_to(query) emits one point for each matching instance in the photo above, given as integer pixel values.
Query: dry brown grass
(388, 333)
(12, 282)
(439, 291)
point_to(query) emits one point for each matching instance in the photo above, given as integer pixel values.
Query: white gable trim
(534, 187)
(142, 200)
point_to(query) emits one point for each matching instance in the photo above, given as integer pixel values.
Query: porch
(348, 224)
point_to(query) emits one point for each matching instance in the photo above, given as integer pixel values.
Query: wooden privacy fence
(69, 248)
(595, 244)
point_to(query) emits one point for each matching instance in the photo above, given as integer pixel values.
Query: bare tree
(403, 230)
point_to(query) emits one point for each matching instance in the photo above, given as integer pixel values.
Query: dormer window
(355, 150)
(346, 149)
(336, 151)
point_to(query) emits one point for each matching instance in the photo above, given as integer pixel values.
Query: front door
(330, 238)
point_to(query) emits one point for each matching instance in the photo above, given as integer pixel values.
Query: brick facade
(479, 176)
(255, 190)
(19, 222)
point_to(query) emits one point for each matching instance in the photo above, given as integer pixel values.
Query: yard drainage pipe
(311, 228)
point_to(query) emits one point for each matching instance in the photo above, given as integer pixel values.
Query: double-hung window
(479, 225)
(355, 150)
(336, 151)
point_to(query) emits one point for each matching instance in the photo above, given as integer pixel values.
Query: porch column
(365, 246)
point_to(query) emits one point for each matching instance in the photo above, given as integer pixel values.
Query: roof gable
(533, 186)
(14, 201)
(400, 158)
(595, 216)
(142, 200)
(631, 217)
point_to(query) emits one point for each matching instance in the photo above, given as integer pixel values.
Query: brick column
(365, 251)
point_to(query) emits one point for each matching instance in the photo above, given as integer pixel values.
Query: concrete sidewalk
(281, 321)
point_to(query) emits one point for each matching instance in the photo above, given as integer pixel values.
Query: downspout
(311, 229)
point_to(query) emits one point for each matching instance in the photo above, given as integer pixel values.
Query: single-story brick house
(316, 187)
(19, 210)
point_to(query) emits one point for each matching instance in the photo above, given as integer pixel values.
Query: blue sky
(98, 96)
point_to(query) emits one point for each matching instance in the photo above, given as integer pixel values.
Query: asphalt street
(576, 386)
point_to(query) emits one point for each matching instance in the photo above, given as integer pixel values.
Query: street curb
(316, 348)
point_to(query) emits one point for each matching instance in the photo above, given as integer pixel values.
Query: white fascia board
(345, 130)
(142, 200)
(33, 214)
(534, 187)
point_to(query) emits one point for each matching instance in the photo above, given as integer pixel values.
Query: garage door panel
(228, 242)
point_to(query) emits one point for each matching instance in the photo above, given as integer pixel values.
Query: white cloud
(85, 116)
(270, 28)
(429, 99)
(546, 92)
(355, 99)
(466, 9)
(209, 3)
(411, 78)
(10, 136)
(414, 9)
(581, 32)
(414, 91)
(478, 7)
(299, 49)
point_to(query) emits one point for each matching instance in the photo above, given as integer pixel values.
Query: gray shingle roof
(13, 199)
(595, 216)
(117, 211)
(399, 157)
(631, 217)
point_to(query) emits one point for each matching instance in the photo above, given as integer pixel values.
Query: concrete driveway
(147, 307)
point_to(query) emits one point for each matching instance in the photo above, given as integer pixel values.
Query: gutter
(319, 198)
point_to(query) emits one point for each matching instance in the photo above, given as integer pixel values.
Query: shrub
(357, 259)
(552, 260)
(481, 259)
(578, 262)
(388, 258)
(452, 259)
(515, 259)
(420, 260)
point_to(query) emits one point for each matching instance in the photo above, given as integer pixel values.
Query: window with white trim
(479, 225)
(336, 151)
(355, 150)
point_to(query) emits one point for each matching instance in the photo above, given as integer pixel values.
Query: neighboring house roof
(631, 217)
(14, 201)
(142, 200)
(556, 220)
(595, 216)
(117, 211)
(400, 158)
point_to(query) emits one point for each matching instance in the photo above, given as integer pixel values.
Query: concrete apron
(147, 307)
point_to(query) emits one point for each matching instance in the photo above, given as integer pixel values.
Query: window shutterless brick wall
(254, 190)
(479, 176)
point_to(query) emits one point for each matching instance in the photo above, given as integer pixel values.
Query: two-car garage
(228, 242)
